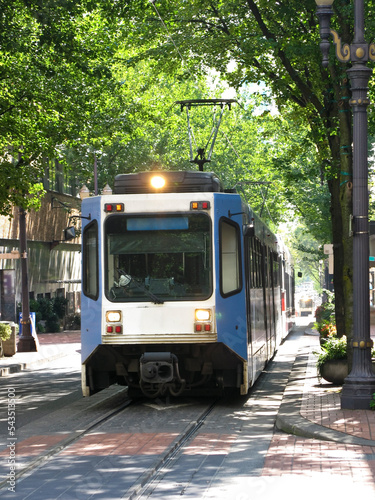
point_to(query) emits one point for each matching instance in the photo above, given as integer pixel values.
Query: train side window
(230, 270)
(253, 263)
(90, 269)
(257, 263)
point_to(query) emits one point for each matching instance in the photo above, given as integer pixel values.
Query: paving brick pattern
(35, 445)
(66, 337)
(321, 405)
(296, 455)
(103, 463)
(292, 454)
(99, 444)
(210, 444)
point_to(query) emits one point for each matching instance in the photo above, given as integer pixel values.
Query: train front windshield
(158, 258)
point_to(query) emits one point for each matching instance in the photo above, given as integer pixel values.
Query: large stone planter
(334, 371)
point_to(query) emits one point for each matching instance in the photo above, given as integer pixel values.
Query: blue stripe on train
(230, 311)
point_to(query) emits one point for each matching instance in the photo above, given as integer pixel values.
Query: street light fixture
(359, 386)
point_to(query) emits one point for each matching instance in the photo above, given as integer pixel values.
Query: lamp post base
(357, 393)
(26, 344)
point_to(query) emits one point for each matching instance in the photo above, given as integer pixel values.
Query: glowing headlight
(202, 314)
(157, 181)
(113, 316)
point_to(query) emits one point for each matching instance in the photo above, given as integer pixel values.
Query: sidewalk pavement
(310, 407)
(52, 346)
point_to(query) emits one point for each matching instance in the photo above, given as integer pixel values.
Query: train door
(230, 303)
(91, 296)
(269, 301)
(276, 299)
(256, 319)
(230, 293)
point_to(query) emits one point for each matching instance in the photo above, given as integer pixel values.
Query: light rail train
(184, 288)
(306, 306)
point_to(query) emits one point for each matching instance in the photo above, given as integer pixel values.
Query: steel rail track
(151, 476)
(36, 463)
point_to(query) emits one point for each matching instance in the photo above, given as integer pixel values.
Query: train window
(251, 262)
(256, 260)
(276, 273)
(90, 270)
(230, 270)
(158, 258)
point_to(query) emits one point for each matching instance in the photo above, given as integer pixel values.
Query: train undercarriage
(175, 369)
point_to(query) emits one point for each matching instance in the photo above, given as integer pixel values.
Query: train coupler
(159, 372)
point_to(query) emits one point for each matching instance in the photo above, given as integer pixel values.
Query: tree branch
(303, 87)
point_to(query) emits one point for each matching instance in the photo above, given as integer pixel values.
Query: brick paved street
(236, 454)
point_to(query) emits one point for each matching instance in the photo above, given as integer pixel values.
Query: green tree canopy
(101, 77)
(55, 72)
(276, 43)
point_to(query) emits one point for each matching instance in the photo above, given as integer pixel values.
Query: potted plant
(332, 363)
(326, 330)
(5, 332)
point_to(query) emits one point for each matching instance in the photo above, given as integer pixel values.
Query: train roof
(185, 181)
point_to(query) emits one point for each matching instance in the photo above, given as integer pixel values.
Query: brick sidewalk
(321, 405)
(66, 337)
(52, 346)
(290, 454)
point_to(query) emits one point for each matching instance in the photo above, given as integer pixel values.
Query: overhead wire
(247, 170)
(152, 2)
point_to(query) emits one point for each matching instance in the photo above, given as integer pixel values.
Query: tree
(276, 43)
(84, 75)
(251, 149)
(55, 60)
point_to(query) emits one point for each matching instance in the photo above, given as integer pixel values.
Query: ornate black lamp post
(360, 383)
(26, 341)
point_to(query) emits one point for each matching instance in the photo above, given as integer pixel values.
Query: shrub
(73, 322)
(334, 348)
(59, 306)
(5, 331)
(327, 330)
(325, 317)
(50, 312)
(41, 327)
(326, 312)
(53, 323)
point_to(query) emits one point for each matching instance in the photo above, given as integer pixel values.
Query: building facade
(54, 266)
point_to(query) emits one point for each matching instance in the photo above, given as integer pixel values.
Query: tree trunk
(340, 187)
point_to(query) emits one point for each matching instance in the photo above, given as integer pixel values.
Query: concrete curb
(43, 356)
(292, 423)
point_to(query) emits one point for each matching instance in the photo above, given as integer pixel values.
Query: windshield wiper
(130, 279)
